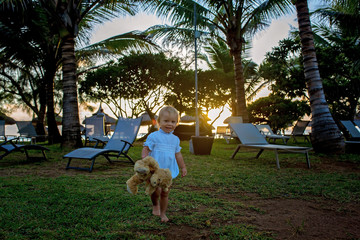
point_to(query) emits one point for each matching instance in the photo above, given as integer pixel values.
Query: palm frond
(120, 44)
(341, 18)
(173, 35)
(259, 17)
(107, 10)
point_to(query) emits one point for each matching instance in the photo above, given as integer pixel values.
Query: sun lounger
(299, 130)
(95, 130)
(266, 131)
(118, 146)
(250, 137)
(357, 123)
(350, 131)
(11, 146)
(2, 129)
(27, 130)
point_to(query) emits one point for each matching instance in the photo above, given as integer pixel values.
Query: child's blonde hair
(170, 110)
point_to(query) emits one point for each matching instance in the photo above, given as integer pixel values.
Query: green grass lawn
(41, 200)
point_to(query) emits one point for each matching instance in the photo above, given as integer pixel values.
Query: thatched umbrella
(233, 119)
(146, 120)
(108, 119)
(190, 119)
(58, 120)
(8, 120)
(110, 122)
(187, 119)
(100, 112)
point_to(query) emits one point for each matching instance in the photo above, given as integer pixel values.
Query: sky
(262, 42)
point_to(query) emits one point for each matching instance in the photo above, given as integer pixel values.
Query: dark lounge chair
(118, 146)
(11, 146)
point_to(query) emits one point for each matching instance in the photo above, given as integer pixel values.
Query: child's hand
(183, 172)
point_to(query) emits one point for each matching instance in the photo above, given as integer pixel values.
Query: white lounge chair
(118, 146)
(224, 132)
(250, 137)
(266, 131)
(357, 123)
(95, 130)
(351, 132)
(299, 130)
(2, 129)
(27, 130)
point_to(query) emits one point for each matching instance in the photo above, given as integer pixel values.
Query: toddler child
(164, 146)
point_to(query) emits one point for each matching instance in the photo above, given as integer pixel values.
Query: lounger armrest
(122, 150)
(98, 141)
(11, 141)
(127, 143)
(262, 132)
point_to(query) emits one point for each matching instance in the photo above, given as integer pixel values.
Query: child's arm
(145, 152)
(181, 163)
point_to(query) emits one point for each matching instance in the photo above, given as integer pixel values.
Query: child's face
(168, 122)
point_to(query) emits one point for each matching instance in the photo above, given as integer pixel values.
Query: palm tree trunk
(53, 132)
(40, 126)
(40, 113)
(71, 124)
(240, 99)
(325, 134)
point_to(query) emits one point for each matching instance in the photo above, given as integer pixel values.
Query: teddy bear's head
(146, 166)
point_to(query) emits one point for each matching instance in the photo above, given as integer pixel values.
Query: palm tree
(342, 22)
(326, 136)
(232, 21)
(70, 16)
(217, 57)
(68, 20)
(339, 34)
(344, 15)
(28, 48)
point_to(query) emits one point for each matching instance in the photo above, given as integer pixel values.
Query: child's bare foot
(164, 218)
(156, 210)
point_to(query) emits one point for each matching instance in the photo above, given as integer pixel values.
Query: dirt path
(285, 219)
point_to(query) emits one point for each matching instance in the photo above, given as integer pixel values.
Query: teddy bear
(147, 170)
(144, 169)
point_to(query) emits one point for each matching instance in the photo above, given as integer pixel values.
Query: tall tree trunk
(53, 131)
(240, 99)
(71, 124)
(325, 134)
(40, 123)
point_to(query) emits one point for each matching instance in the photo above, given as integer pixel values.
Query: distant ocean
(12, 130)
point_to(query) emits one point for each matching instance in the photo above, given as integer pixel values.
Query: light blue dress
(163, 147)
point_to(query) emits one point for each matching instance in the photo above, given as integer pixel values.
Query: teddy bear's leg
(132, 184)
(150, 189)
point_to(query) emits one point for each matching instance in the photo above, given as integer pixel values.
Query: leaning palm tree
(233, 21)
(326, 136)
